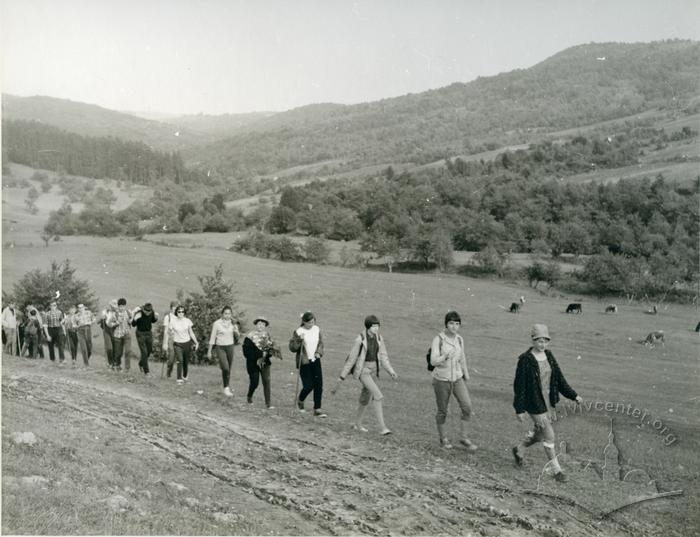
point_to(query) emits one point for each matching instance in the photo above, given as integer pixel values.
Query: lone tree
(58, 283)
(204, 308)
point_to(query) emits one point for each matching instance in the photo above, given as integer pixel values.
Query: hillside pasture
(600, 354)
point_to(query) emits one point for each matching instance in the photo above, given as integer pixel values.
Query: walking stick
(18, 352)
(296, 388)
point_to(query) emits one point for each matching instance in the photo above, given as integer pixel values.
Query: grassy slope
(600, 354)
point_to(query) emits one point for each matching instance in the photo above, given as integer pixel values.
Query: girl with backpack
(367, 356)
(450, 377)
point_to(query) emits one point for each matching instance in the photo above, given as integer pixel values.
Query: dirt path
(311, 479)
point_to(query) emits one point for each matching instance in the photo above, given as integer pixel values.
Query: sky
(235, 56)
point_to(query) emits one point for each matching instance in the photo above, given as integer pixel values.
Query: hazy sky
(216, 56)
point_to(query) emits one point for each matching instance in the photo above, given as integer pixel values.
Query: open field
(251, 471)
(406, 479)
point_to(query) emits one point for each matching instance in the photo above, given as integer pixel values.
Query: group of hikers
(537, 386)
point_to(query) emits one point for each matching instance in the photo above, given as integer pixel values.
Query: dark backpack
(33, 327)
(427, 357)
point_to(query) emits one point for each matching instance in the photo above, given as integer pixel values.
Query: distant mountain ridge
(93, 120)
(579, 86)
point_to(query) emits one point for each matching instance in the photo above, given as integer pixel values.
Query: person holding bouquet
(258, 348)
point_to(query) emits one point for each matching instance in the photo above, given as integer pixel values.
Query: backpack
(33, 327)
(427, 356)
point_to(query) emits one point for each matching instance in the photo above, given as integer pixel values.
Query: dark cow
(515, 306)
(611, 308)
(574, 307)
(697, 328)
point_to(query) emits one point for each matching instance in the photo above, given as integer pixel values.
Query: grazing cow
(515, 306)
(611, 308)
(574, 307)
(653, 311)
(655, 337)
(697, 328)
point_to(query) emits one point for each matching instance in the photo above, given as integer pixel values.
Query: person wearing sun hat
(307, 343)
(538, 383)
(258, 348)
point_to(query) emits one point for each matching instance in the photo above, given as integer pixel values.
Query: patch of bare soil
(296, 474)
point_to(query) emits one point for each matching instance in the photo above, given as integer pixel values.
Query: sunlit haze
(228, 56)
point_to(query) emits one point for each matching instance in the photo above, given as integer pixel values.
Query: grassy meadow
(611, 456)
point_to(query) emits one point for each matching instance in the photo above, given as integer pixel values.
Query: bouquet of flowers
(269, 348)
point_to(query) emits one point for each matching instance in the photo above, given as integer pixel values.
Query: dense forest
(42, 146)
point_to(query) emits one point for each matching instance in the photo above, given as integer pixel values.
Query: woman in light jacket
(367, 356)
(224, 335)
(450, 378)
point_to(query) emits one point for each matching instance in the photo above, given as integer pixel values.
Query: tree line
(43, 146)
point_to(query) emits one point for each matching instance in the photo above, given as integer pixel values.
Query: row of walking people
(537, 385)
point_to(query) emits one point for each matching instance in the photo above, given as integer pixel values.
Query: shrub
(204, 308)
(39, 288)
(316, 250)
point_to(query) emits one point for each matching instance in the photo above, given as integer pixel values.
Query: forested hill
(576, 87)
(93, 120)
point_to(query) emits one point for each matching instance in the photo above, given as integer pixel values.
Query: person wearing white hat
(258, 348)
(538, 383)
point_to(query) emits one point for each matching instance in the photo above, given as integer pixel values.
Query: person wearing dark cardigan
(537, 374)
(258, 348)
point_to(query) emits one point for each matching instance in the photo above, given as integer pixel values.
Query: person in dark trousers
(307, 343)
(143, 319)
(367, 356)
(538, 383)
(105, 322)
(84, 319)
(224, 335)
(121, 337)
(183, 340)
(55, 335)
(71, 326)
(32, 333)
(258, 348)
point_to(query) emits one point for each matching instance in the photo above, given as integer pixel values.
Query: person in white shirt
(184, 342)
(9, 326)
(224, 335)
(307, 343)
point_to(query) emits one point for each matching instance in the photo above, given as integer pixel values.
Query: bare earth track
(286, 472)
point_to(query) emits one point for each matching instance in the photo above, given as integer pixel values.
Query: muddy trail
(308, 478)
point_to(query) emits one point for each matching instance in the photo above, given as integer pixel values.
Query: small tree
(40, 288)
(316, 250)
(204, 308)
